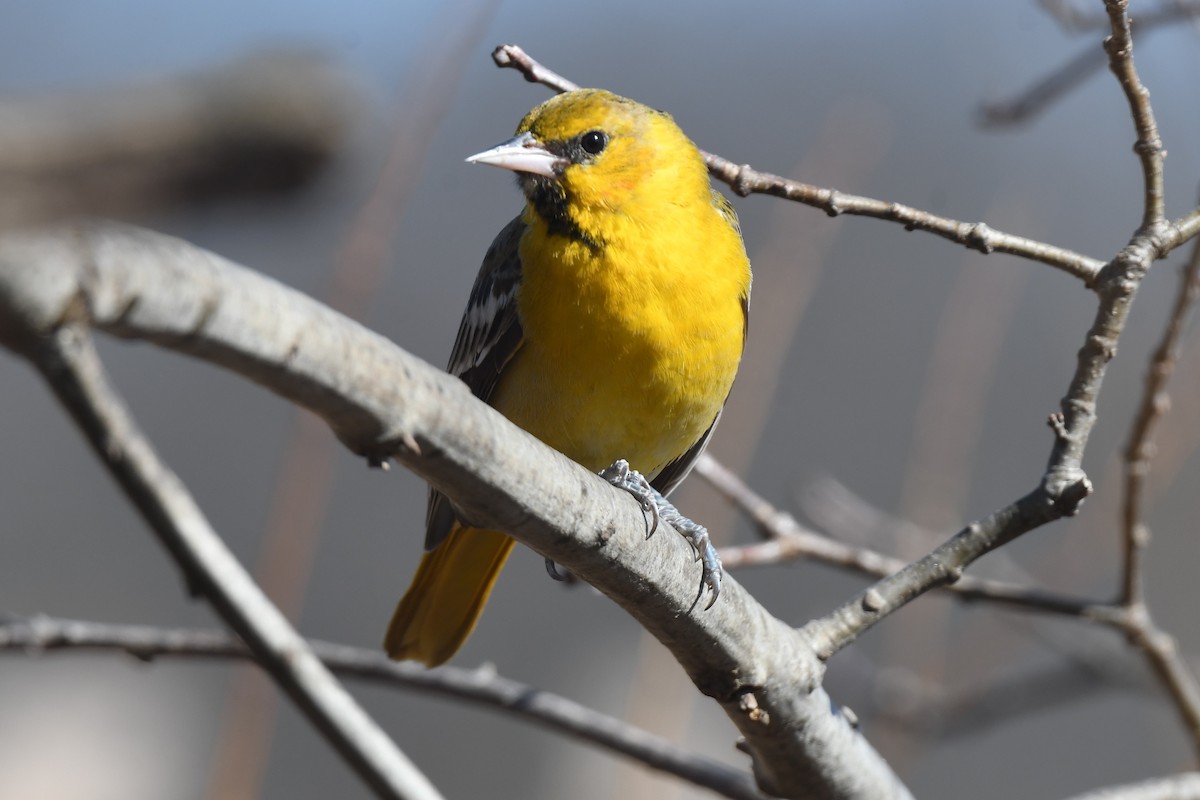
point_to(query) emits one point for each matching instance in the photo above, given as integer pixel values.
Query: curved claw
(656, 508)
(552, 571)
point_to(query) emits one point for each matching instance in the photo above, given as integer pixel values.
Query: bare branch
(788, 540)
(1071, 16)
(1065, 485)
(1149, 145)
(1032, 101)
(383, 402)
(1187, 226)
(514, 57)
(1140, 448)
(263, 123)
(1185, 786)
(744, 180)
(1158, 648)
(40, 634)
(1063, 488)
(66, 358)
(303, 485)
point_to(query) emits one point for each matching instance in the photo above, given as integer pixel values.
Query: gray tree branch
(65, 356)
(745, 180)
(482, 686)
(382, 402)
(1185, 786)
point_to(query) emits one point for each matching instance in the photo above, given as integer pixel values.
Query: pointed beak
(522, 153)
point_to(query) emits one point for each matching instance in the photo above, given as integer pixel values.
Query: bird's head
(586, 157)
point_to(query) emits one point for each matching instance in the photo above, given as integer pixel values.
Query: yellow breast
(630, 349)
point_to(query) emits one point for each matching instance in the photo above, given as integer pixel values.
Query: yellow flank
(629, 284)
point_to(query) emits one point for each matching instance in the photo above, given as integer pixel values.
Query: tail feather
(447, 596)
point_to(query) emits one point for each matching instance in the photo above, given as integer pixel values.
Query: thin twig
(788, 540)
(40, 634)
(745, 181)
(1032, 101)
(1149, 145)
(1073, 18)
(1187, 226)
(1140, 448)
(1159, 648)
(68, 361)
(1065, 485)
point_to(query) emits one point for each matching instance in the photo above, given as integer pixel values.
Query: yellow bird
(608, 320)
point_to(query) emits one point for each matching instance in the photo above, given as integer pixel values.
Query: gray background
(917, 373)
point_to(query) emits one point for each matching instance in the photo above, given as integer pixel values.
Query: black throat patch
(550, 202)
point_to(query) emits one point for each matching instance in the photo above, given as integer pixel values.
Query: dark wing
(488, 337)
(674, 472)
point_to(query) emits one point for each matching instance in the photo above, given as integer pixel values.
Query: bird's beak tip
(521, 154)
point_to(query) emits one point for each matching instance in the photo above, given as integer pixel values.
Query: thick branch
(68, 361)
(382, 402)
(36, 635)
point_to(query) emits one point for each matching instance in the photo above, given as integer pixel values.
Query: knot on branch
(979, 237)
(742, 184)
(1067, 490)
(834, 206)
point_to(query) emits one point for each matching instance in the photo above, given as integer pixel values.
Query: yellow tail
(447, 595)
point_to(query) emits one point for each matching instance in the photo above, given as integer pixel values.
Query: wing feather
(488, 337)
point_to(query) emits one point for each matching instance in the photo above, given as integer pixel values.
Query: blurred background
(888, 375)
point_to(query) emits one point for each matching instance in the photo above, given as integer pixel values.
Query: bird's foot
(656, 507)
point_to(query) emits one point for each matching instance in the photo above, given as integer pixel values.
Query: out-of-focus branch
(744, 180)
(1185, 786)
(788, 540)
(40, 634)
(1077, 17)
(1139, 450)
(1064, 485)
(1159, 648)
(383, 403)
(262, 123)
(303, 485)
(1032, 101)
(1072, 17)
(67, 359)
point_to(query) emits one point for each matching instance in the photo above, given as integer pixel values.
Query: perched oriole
(607, 319)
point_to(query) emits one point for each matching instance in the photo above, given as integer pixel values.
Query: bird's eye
(593, 142)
